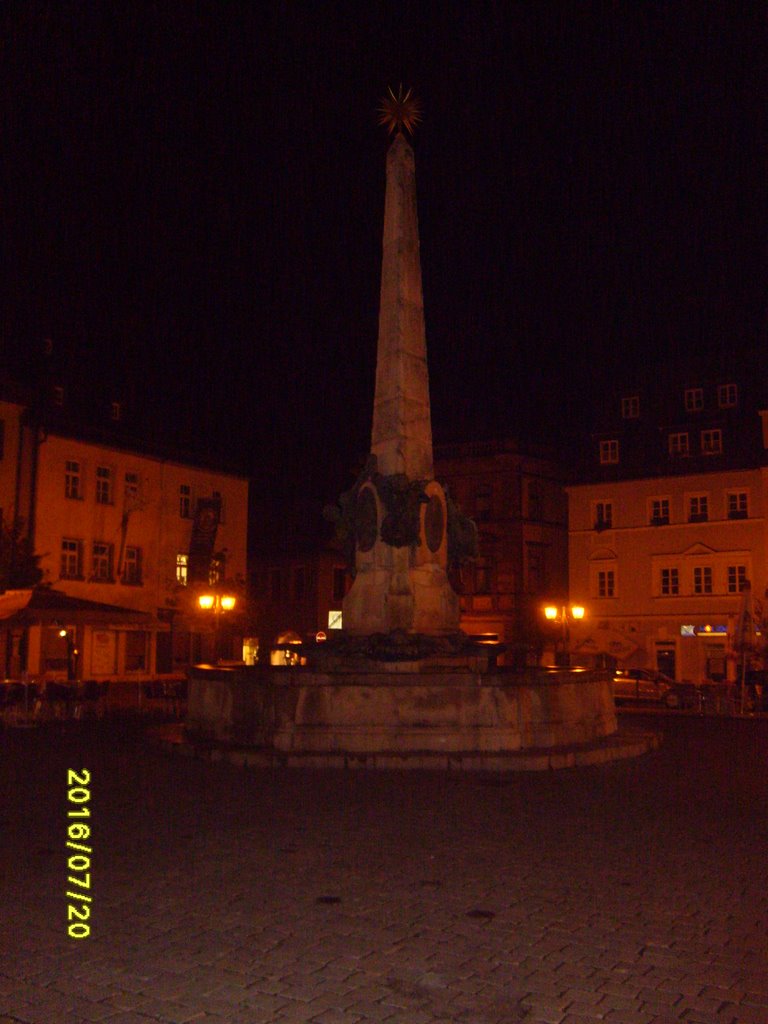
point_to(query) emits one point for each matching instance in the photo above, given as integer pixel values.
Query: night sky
(191, 202)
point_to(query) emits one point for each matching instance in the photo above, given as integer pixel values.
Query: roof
(45, 605)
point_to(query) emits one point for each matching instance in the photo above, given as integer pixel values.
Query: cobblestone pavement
(631, 893)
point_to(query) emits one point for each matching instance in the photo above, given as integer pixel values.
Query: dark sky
(191, 197)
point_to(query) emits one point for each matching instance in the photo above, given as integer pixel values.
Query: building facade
(667, 535)
(515, 496)
(117, 528)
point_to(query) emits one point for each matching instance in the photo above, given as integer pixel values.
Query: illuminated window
(711, 442)
(609, 452)
(702, 579)
(694, 399)
(132, 566)
(737, 502)
(103, 485)
(182, 568)
(727, 396)
(71, 559)
(73, 480)
(670, 582)
(185, 501)
(603, 515)
(698, 508)
(101, 565)
(606, 583)
(630, 407)
(659, 511)
(678, 445)
(737, 578)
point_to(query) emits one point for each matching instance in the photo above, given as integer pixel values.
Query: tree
(19, 568)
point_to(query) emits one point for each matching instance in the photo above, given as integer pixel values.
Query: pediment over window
(602, 555)
(696, 550)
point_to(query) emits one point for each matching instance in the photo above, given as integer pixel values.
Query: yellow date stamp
(79, 862)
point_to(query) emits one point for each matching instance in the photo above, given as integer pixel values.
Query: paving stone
(609, 925)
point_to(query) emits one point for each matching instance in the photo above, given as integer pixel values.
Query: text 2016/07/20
(79, 862)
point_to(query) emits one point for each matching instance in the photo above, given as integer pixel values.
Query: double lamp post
(563, 615)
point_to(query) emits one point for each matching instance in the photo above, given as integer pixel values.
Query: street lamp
(564, 614)
(217, 603)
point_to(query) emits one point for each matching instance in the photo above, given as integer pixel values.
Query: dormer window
(678, 445)
(609, 452)
(630, 407)
(711, 442)
(727, 396)
(694, 399)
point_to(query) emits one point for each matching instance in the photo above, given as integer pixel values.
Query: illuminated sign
(708, 629)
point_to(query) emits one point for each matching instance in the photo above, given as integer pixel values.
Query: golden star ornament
(401, 111)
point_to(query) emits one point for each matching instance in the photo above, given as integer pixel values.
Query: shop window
(136, 642)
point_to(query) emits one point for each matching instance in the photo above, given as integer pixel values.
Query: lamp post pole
(217, 603)
(563, 614)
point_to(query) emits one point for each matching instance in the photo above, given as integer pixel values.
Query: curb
(624, 744)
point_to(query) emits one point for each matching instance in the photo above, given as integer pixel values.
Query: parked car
(648, 687)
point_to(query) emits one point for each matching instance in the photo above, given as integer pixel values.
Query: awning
(44, 606)
(606, 641)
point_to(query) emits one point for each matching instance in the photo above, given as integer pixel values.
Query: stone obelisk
(400, 516)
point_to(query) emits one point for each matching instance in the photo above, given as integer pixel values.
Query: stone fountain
(401, 685)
